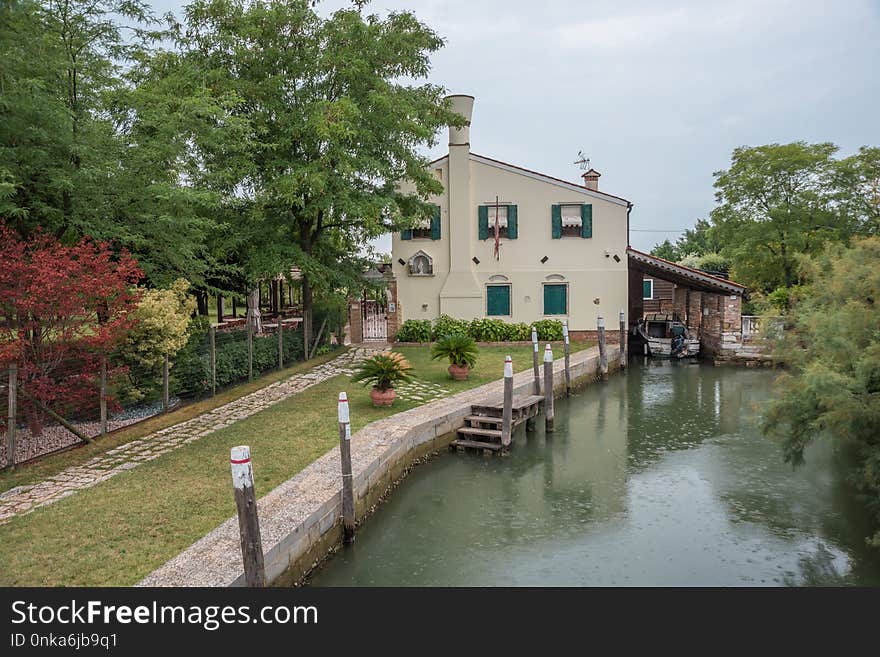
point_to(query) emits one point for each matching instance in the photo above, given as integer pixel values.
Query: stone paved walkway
(422, 391)
(24, 499)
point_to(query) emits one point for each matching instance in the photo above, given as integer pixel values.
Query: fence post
(250, 347)
(165, 372)
(567, 359)
(507, 411)
(548, 389)
(622, 340)
(535, 360)
(603, 354)
(345, 460)
(213, 334)
(280, 345)
(11, 416)
(103, 395)
(248, 522)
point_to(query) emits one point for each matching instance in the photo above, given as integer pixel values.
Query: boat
(665, 335)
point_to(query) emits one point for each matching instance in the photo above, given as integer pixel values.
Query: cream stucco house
(562, 248)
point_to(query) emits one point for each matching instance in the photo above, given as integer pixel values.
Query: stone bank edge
(301, 519)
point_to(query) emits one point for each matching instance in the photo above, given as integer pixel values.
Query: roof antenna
(583, 161)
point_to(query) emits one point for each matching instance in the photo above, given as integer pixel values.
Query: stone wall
(355, 321)
(300, 520)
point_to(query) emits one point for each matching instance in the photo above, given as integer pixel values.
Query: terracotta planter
(459, 372)
(382, 397)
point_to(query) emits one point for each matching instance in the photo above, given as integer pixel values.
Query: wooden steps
(482, 428)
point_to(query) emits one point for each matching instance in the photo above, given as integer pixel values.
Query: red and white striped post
(248, 522)
(507, 411)
(345, 458)
(548, 389)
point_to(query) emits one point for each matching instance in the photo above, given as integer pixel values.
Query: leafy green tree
(858, 189)
(831, 386)
(776, 203)
(665, 250)
(327, 118)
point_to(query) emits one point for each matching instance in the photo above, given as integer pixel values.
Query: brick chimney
(591, 179)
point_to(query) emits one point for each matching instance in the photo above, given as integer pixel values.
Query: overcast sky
(657, 94)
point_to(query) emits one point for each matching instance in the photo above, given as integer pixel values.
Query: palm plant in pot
(460, 350)
(383, 371)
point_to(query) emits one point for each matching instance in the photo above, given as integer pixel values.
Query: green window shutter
(498, 300)
(555, 299)
(587, 220)
(512, 227)
(435, 223)
(406, 234)
(556, 216)
(647, 289)
(483, 215)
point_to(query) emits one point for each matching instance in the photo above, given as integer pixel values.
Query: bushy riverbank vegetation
(831, 388)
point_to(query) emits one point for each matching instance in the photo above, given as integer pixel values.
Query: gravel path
(24, 499)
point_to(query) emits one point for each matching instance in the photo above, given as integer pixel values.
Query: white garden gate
(375, 321)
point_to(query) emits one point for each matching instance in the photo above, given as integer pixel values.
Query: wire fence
(83, 403)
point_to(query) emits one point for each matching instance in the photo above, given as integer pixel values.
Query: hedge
(482, 329)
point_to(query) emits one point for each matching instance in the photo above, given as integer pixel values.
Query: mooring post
(567, 359)
(280, 345)
(345, 458)
(103, 395)
(248, 522)
(548, 389)
(166, 366)
(535, 360)
(603, 354)
(622, 340)
(250, 349)
(11, 416)
(507, 411)
(213, 334)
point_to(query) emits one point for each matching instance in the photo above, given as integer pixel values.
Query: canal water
(658, 477)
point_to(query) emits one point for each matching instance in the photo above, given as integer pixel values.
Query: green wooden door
(498, 300)
(555, 299)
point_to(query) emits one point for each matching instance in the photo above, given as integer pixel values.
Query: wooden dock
(482, 428)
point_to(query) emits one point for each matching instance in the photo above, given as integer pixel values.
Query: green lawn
(119, 531)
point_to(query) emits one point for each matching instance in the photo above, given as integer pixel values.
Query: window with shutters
(572, 220)
(498, 300)
(647, 288)
(555, 298)
(507, 221)
(427, 229)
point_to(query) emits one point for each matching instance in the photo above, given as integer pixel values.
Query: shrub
(458, 348)
(383, 370)
(519, 332)
(446, 325)
(488, 330)
(415, 330)
(548, 329)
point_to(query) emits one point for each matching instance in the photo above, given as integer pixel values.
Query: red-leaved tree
(61, 309)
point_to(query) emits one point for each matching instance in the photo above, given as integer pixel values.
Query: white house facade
(562, 247)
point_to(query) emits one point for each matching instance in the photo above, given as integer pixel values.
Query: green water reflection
(658, 477)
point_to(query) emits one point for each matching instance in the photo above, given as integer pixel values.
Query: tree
(326, 119)
(858, 189)
(775, 203)
(831, 386)
(84, 149)
(665, 250)
(61, 305)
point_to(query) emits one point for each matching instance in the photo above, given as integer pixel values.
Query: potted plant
(460, 350)
(383, 371)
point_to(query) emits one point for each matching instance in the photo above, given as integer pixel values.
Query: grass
(119, 531)
(53, 464)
